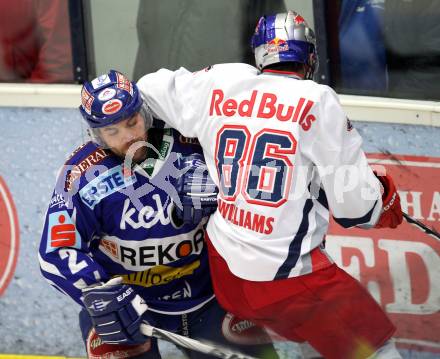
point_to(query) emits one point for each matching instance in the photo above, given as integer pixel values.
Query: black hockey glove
(116, 312)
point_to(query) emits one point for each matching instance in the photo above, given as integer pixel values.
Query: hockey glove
(391, 215)
(197, 192)
(116, 312)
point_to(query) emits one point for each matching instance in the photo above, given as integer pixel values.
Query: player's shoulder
(236, 67)
(319, 94)
(324, 92)
(83, 159)
(228, 69)
(87, 150)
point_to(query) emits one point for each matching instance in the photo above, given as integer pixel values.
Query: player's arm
(115, 309)
(64, 247)
(354, 192)
(176, 97)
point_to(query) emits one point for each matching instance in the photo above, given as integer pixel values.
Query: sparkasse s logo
(9, 236)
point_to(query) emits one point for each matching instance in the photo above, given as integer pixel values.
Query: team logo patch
(111, 107)
(78, 169)
(277, 45)
(96, 349)
(61, 232)
(9, 236)
(242, 331)
(57, 201)
(87, 100)
(110, 247)
(123, 83)
(100, 81)
(107, 94)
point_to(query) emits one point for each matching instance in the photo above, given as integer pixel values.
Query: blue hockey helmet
(285, 37)
(108, 99)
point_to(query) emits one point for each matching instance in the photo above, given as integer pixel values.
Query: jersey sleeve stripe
(49, 267)
(295, 245)
(322, 198)
(351, 222)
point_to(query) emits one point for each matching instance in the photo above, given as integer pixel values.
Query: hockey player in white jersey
(284, 155)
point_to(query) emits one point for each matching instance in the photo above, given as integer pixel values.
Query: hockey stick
(191, 344)
(430, 231)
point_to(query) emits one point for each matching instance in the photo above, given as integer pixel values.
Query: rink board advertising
(400, 267)
(9, 236)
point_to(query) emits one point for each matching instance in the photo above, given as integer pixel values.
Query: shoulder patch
(76, 151)
(83, 164)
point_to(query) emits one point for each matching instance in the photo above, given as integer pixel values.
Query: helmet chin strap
(145, 112)
(95, 137)
(309, 73)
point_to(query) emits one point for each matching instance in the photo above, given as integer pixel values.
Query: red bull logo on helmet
(277, 45)
(298, 19)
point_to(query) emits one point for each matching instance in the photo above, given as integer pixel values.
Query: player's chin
(138, 156)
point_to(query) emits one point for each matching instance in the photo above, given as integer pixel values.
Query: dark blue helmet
(284, 37)
(108, 99)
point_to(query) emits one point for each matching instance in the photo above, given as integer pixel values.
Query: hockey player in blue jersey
(118, 242)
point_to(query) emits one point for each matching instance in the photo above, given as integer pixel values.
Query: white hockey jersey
(282, 152)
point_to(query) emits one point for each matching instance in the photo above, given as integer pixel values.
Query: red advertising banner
(401, 267)
(9, 236)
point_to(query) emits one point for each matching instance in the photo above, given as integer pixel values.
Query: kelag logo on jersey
(9, 236)
(61, 232)
(104, 185)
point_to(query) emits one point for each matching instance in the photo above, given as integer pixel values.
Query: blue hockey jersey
(108, 219)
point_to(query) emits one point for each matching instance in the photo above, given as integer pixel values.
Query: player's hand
(116, 312)
(196, 190)
(391, 215)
